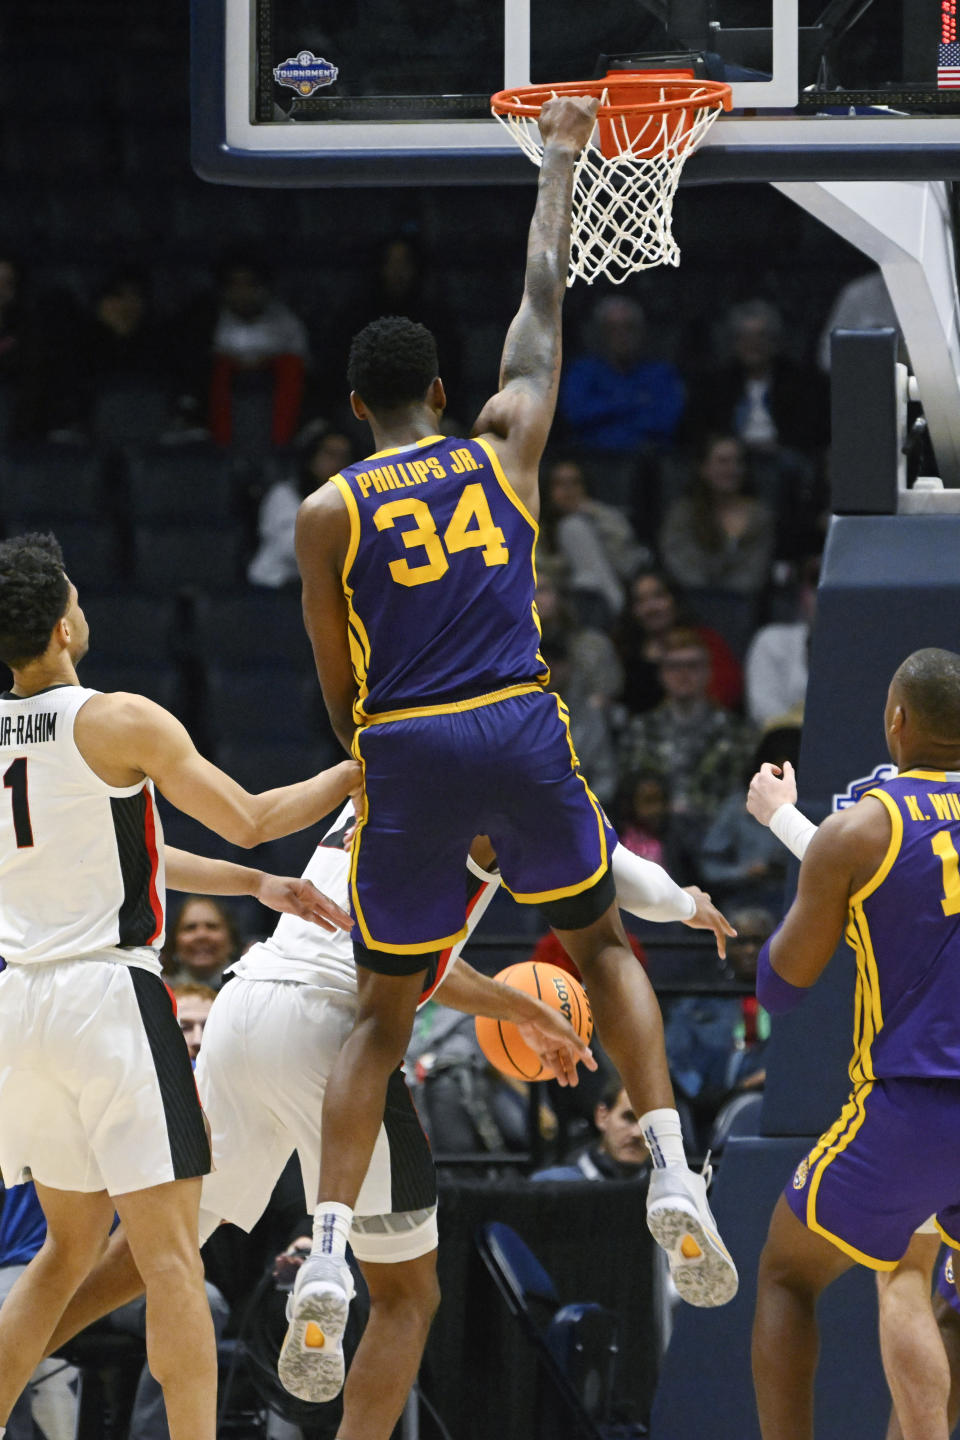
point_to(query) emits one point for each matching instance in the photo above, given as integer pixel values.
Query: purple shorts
(433, 782)
(876, 1175)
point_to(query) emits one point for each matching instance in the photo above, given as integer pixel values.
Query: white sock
(331, 1229)
(661, 1130)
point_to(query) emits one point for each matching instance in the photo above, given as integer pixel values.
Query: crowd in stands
(166, 424)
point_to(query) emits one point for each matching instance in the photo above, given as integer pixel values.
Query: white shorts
(268, 1049)
(96, 1089)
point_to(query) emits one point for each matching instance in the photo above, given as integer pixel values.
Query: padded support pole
(905, 227)
(864, 439)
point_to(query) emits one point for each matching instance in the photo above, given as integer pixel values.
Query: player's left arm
(288, 894)
(545, 1030)
(842, 856)
(322, 537)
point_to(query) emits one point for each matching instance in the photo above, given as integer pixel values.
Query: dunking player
(418, 585)
(269, 1045)
(885, 873)
(920, 1344)
(97, 1099)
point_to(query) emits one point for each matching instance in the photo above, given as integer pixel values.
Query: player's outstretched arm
(288, 894)
(517, 419)
(545, 1030)
(126, 737)
(646, 890)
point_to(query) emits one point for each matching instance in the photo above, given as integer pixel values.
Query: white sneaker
(681, 1222)
(311, 1362)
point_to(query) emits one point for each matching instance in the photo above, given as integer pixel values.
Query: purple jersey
(439, 579)
(904, 928)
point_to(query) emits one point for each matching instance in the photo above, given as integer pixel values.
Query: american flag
(948, 66)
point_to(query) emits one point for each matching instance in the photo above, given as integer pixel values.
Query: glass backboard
(292, 92)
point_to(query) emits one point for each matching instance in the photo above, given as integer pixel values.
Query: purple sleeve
(776, 995)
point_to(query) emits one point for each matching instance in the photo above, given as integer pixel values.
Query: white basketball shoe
(311, 1364)
(681, 1222)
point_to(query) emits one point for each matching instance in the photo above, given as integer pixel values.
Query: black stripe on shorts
(413, 1180)
(186, 1132)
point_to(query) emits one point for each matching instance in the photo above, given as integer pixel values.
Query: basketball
(500, 1039)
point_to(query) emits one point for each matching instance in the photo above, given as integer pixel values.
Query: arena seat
(180, 484)
(256, 702)
(47, 483)
(204, 556)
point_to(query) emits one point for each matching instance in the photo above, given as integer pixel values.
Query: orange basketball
(500, 1039)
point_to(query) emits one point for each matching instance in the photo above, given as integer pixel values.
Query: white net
(623, 202)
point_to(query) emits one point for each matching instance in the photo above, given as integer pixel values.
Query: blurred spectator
(12, 319)
(716, 1043)
(193, 1009)
(862, 304)
(596, 541)
(615, 402)
(48, 1406)
(653, 613)
(200, 944)
(618, 1153)
(719, 535)
(759, 395)
(400, 281)
(741, 862)
(696, 748)
(255, 337)
(321, 452)
(467, 1107)
(778, 659)
(643, 815)
(586, 673)
(120, 338)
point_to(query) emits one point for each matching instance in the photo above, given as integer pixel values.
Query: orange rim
(669, 94)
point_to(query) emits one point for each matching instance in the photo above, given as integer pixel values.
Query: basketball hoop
(627, 174)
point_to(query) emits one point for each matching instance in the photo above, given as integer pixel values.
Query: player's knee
(73, 1256)
(383, 1036)
(165, 1268)
(409, 1292)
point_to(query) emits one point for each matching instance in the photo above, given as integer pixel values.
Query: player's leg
(162, 1229)
(403, 1302)
(77, 1228)
(914, 1358)
(630, 1027)
(795, 1267)
(113, 1281)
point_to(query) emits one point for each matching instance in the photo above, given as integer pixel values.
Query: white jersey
(301, 951)
(81, 861)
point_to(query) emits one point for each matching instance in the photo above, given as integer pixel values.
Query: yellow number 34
(460, 534)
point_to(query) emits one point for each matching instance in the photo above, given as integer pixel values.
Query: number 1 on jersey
(944, 847)
(15, 780)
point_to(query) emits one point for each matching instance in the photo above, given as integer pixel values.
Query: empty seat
(259, 703)
(134, 412)
(156, 682)
(255, 627)
(201, 555)
(170, 483)
(47, 483)
(129, 629)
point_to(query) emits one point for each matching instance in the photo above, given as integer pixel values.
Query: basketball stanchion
(628, 172)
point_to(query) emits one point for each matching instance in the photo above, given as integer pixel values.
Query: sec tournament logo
(858, 788)
(801, 1173)
(306, 73)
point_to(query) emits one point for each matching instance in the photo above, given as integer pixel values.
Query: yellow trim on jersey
(868, 1008)
(893, 849)
(951, 1240)
(940, 775)
(413, 445)
(505, 485)
(357, 637)
(501, 478)
(833, 1143)
(449, 707)
(536, 898)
